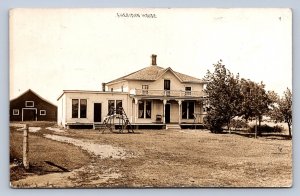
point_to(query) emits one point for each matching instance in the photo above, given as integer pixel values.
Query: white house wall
(61, 108)
(117, 87)
(175, 83)
(159, 83)
(91, 99)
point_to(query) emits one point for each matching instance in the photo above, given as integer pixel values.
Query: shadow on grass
(269, 136)
(57, 166)
(118, 132)
(18, 172)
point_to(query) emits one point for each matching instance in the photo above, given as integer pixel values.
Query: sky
(52, 50)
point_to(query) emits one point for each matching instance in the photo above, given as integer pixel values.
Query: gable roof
(31, 91)
(154, 72)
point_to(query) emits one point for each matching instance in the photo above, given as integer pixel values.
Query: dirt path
(104, 151)
(91, 175)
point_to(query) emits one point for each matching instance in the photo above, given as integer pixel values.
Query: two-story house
(150, 96)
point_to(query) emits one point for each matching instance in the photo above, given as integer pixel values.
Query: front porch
(168, 107)
(164, 126)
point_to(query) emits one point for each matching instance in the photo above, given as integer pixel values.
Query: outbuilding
(29, 106)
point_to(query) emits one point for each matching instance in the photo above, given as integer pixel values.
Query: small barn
(29, 106)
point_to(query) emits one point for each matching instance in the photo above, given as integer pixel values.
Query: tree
(256, 100)
(223, 97)
(281, 111)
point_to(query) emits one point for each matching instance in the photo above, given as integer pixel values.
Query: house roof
(89, 92)
(153, 72)
(29, 90)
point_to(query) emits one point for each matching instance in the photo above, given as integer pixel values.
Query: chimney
(153, 57)
(103, 87)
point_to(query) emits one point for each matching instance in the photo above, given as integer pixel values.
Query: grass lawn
(167, 158)
(46, 156)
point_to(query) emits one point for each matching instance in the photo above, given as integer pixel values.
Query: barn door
(29, 114)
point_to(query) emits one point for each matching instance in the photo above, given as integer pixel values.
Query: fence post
(25, 147)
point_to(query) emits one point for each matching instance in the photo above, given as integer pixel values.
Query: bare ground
(172, 158)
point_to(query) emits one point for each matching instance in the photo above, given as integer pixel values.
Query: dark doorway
(167, 114)
(97, 112)
(29, 114)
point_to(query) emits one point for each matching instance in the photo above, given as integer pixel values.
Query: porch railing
(173, 93)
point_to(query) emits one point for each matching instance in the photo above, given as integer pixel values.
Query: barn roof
(29, 90)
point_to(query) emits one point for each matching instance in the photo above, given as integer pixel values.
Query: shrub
(238, 124)
(267, 129)
(214, 123)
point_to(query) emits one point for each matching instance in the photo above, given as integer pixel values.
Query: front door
(167, 114)
(97, 112)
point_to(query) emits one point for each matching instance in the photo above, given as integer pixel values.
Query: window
(167, 84)
(145, 89)
(167, 87)
(191, 107)
(111, 107)
(75, 108)
(43, 112)
(148, 109)
(16, 112)
(79, 110)
(119, 106)
(83, 104)
(29, 103)
(111, 89)
(188, 108)
(114, 106)
(188, 90)
(145, 109)
(141, 109)
(184, 110)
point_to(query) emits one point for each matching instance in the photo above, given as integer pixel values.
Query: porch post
(201, 111)
(179, 111)
(136, 101)
(164, 118)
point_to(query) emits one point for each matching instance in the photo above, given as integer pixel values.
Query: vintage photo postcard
(135, 98)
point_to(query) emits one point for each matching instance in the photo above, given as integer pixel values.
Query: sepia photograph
(150, 97)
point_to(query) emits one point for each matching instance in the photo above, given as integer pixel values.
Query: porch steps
(173, 126)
